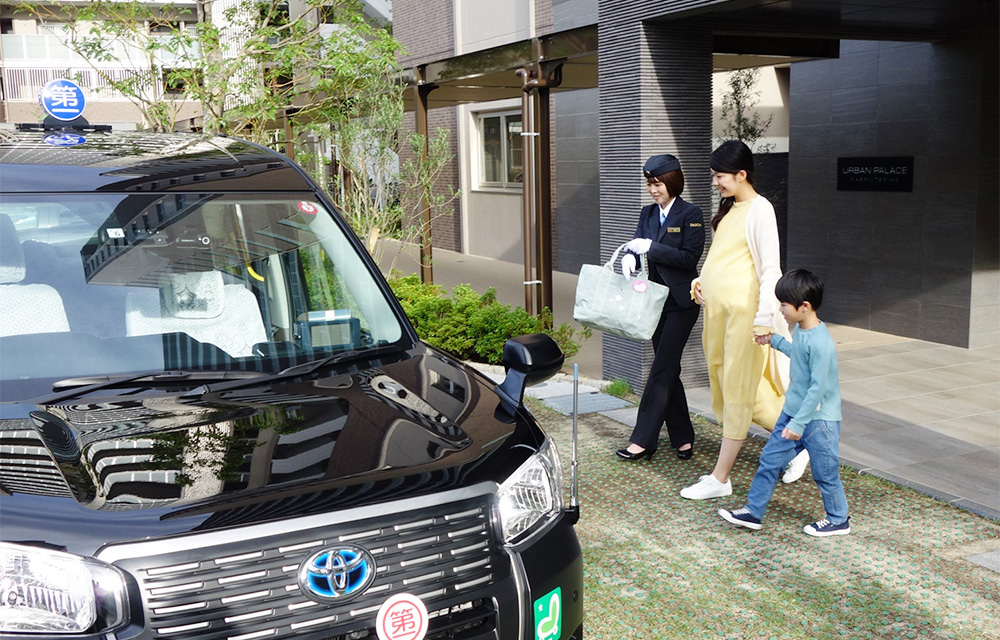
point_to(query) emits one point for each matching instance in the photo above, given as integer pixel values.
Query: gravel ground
(660, 566)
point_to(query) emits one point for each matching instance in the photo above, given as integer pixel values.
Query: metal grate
(445, 553)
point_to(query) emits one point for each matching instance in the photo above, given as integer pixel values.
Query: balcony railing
(26, 84)
(30, 61)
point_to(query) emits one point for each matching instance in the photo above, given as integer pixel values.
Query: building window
(165, 27)
(500, 138)
(175, 81)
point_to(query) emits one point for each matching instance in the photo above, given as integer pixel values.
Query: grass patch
(659, 566)
(619, 388)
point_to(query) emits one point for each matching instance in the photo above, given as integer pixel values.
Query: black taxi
(217, 423)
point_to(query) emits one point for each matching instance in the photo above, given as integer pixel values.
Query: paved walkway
(917, 413)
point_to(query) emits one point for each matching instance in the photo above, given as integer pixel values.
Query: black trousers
(663, 398)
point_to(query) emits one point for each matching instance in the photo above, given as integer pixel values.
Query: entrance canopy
(747, 33)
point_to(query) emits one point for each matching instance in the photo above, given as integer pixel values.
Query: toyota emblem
(336, 573)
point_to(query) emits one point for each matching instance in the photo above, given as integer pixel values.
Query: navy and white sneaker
(825, 528)
(740, 517)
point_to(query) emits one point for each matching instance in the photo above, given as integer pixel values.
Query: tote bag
(610, 302)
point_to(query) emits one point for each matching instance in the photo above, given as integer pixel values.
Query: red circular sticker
(640, 286)
(402, 617)
(308, 207)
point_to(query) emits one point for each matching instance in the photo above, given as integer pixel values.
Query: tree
(319, 84)
(741, 120)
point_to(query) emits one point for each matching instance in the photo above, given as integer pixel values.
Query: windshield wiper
(337, 358)
(84, 385)
(305, 368)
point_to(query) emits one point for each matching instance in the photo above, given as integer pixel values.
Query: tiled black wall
(900, 263)
(578, 191)
(655, 83)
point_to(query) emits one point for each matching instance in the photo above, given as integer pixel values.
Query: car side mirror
(529, 359)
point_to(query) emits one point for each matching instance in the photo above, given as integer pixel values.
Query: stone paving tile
(551, 389)
(626, 416)
(938, 473)
(860, 420)
(869, 390)
(971, 429)
(971, 400)
(990, 560)
(915, 410)
(586, 403)
(905, 445)
(864, 368)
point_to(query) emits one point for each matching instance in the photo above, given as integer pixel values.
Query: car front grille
(209, 586)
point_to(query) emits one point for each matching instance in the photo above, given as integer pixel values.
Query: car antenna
(574, 505)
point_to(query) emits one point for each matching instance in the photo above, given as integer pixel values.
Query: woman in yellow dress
(736, 288)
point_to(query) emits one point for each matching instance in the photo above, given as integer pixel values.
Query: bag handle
(643, 271)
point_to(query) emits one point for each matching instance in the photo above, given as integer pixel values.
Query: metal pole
(573, 501)
(426, 252)
(526, 188)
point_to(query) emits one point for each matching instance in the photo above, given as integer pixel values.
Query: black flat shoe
(628, 455)
(685, 454)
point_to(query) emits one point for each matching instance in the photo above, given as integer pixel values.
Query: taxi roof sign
(62, 99)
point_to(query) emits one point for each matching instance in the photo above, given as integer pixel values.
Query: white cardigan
(762, 238)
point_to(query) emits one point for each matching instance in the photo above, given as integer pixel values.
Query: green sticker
(548, 616)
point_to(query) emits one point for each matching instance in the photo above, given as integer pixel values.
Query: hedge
(472, 326)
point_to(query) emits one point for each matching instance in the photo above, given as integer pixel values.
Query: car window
(181, 281)
(48, 222)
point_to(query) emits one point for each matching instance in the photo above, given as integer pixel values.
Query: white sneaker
(796, 467)
(707, 487)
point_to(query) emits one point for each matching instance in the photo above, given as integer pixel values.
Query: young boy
(810, 419)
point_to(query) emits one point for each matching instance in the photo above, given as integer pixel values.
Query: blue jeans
(821, 439)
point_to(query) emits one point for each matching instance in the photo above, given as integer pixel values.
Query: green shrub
(473, 326)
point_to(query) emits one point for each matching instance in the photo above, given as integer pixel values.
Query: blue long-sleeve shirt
(814, 389)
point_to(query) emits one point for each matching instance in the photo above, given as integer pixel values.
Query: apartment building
(865, 90)
(33, 51)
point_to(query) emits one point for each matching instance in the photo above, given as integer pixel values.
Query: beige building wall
(491, 216)
(481, 24)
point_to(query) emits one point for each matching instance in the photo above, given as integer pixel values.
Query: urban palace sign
(875, 174)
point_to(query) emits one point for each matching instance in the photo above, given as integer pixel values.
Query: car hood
(123, 467)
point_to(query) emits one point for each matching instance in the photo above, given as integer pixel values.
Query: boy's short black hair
(798, 286)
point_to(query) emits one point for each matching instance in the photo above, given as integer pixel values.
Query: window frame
(506, 151)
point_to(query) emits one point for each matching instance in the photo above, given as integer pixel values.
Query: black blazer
(676, 248)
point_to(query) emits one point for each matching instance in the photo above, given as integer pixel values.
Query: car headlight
(55, 592)
(531, 495)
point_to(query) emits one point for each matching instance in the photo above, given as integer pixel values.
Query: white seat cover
(201, 306)
(25, 308)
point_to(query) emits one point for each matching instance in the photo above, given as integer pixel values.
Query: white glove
(628, 265)
(639, 245)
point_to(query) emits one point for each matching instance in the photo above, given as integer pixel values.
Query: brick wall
(569, 14)
(543, 17)
(446, 227)
(426, 28)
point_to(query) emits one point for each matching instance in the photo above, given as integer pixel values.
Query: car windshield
(110, 284)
